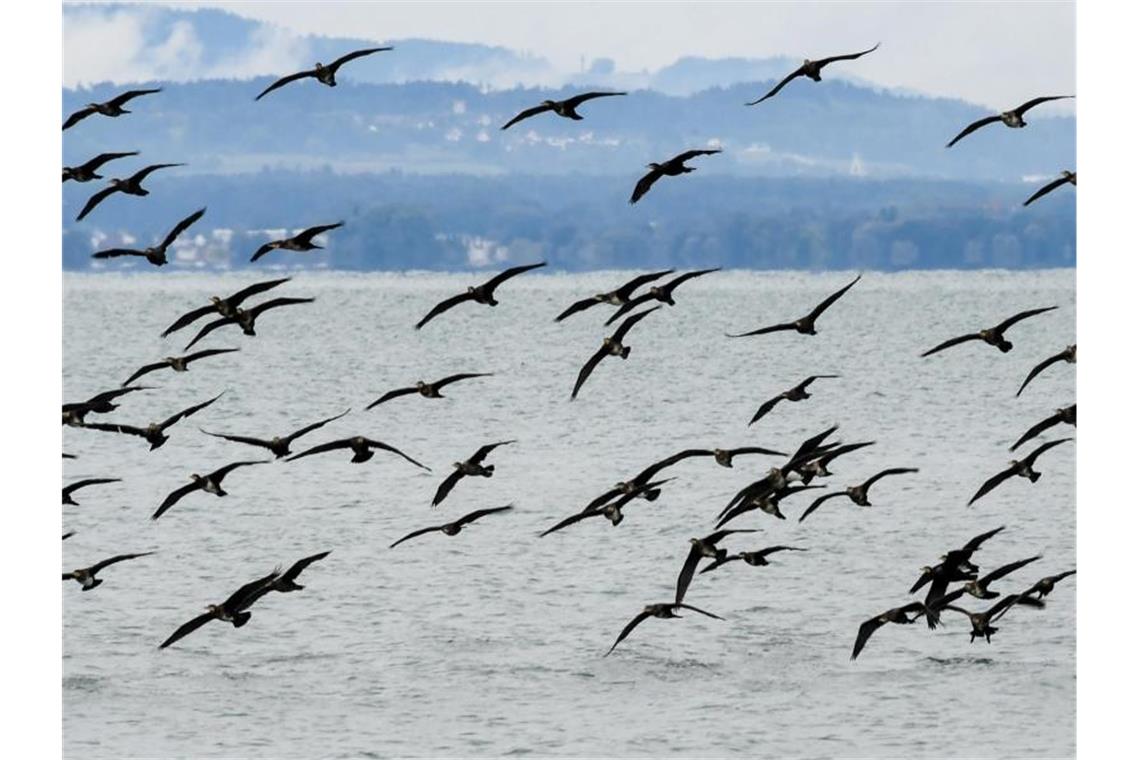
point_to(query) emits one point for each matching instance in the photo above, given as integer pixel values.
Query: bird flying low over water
(896, 615)
(211, 483)
(287, 582)
(1069, 356)
(427, 390)
(452, 528)
(362, 450)
(86, 171)
(470, 467)
(857, 493)
(155, 432)
(279, 445)
(980, 588)
(177, 363)
(754, 559)
(1067, 178)
(484, 294)
(1045, 586)
(611, 346)
(86, 575)
(155, 254)
(618, 297)
(1067, 415)
(232, 610)
(74, 413)
(759, 495)
(112, 107)
(227, 307)
(804, 325)
(324, 74)
(702, 547)
(302, 241)
(662, 610)
(674, 167)
(980, 622)
(611, 510)
(246, 319)
(816, 468)
(994, 336)
(1022, 468)
(564, 108)
(132, 185)
(723, 457)
(1009, 118)
(955, 566)
(68, 490)
(798, 393)
(811, 70)
(664, 294)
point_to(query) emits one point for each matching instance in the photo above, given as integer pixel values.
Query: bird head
(116, 182)
(195, 477)
(420, 385)
(652, 165)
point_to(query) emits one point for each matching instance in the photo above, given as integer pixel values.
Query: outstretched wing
(258, 287)
(993, 483)
(576, 307)
(142, 174)
(321, 448)
(1029, 460)
(629, 306)
(952, 342)
(187, 628)
(144, 370)
(173, 497)
(446, 486)
(354, 55)
(189, 318)
(1045, 190)
(103, 158)
(95, 200)
(310, 428)
(461, 376)
(1021, 109)
(273, 303)
(629, 629)
(849, 57)
(506, 274)
(220, 473)
(976, 542)
(815, 504)
(628, 324)
(209, 328)
(588, 368)
(117, 558)
(778, 87)
(683, 157)
(570, 521)
(415, 533)
(1005, 570)
(1020, 316)
(822, 307)
(626, 290)
(284, 81)
(892, 471)
(239, 439)
(391, 395)
(443, 306)
(764, 330)
(973, 128)
(578, 100)
(1038, 429)
(642, 187)
(208, 352)
(469, 518)
(865, 631)
(121, 100)
(766, 407)
(483, 451)
(527, 114)
(718, 562)
(181, 227)
(306, 236)
(685, 577)
(78, 116)
(299, 566)
(188, 411)
(111, 253)
(1042, 367)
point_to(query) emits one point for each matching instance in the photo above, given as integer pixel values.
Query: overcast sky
(996, 53)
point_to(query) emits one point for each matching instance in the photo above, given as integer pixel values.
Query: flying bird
(762, 496)
(754, 559)
(302, 241)
(155, 432)
(611, 346)
(994, 336)
(471, 467)
(564, 108)
(484, 294)
(1067, 415)
(980, 587)
(674, 167)
(279, 445)
(980, 622)
(211, 483)
(112, 107)
(86, 575)
(227, 307)
(1069, 356)
(246, 319)
(177, 363)
(87, 171)
(156, 254)
(1066, 178)
(804, 325)
(1009, 118)
(896, 615)
(611, 510)
(68, 490)
(618, 297)
(323, 74)
(798, 393)
(132, 185)
(664, 294)
(817, 468)
(857, 493)
(427, 390)
(723, 457)
(955, 566)
(663, 610)
(1045, 586)
(452, 528)
(362, 450)
(1022, 468)
(702, 547)
(74, 413)
(287, 581)
(232, 610)
(812, 69)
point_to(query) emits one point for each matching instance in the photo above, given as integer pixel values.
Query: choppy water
(490, 643)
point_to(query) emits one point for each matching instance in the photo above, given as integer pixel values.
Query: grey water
(491, 643)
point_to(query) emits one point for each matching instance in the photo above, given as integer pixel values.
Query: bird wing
(443, 306)
(815, 504)
(240, 439)
(141, 174)
(952, 342)
(250, 593)
(218, 474)
(626, 290)
(778, 87)
(394, 450)
(643, 184)
(656, 467)
(839, 451)
(527, 114)
(114, 427)
(446, 486)
(976, 542)
(483, 451)
(683, 157)
(891, 471)
(1023, 315)
(310, 428)
(299, 566)
(462, 376)
(78, 116)
(865, 632)
(808, 381)
(209, 328)
(111, 253)
(717, 536)
(188, 318)
(849, 57)
(576, 307)
(603, 499)
(173, 497)
(121, 100)
(587, 368)
(1040, 368)
(254, 289)
(391, 395)
(993, 483)
(1029, 460)
(354, 55)
(306, 236)
(764, 330)
(273, 303)
(629, 306)
(506, 274)
(187, 628)
(1045, 190)
(103, 158)
(95, 200)
(973, 128)
(188, 411)
(718, 562)
(697, 609)
(117, 558)
(208, 352)
(1003, 606)
(264, 249)
(578, 100)
(1021, 109)
(755, 450)
(415, 533)
(1038, 429)
(670, 286)
(822, 307)
(641, 616)
(286, 80)
(629, 322)
(181, 227)
(144, 370)
(469, 518)
(571, 520)
(323, 447)
(1005, 570)
(766, 407)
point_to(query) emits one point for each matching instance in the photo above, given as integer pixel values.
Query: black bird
(564, 108)
(662, 610)
(287, 581)
(362, 450)
(1023, 468)
(86, 575)
(132, 185)
(302, 241)
(112, 107)
(156, 254)
(227, 307)
(994, 336)
(1009, 118)
(232, 610)
(762, 496)
(74, 413)
(955, 566)
(674, 167)
(427, 390)
(452, 528)
(279, 445)
(611, 510)
(1045, 586)
(68, 490)
(86, 172)
(817, 468)
(1069, 356)
(702, 547)
(1066, 178)
(611, 346)
(484, 294)
(323, 74)
(857, 493)
(811, 69)
(471, 467)
(619, 297)
(635, 487)
(1068, 415)
(723, 457)
(246, 319)
(155, 432)
(211, 483)
(804, 325)
(980, 587)
(980, 622)
(664, 294)
(895, 615)
(798, 393)
(755, 559)
(177, 363)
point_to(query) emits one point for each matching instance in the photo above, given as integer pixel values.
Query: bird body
(88, 170)
(362, 450)
(85, 576)
(112, 107)
(302, 241)
(1014, 118)
(804, 325)
(156, 254)
(483, 293)
(326, 75)
(674, 167)
(812, 70)
(564, 108)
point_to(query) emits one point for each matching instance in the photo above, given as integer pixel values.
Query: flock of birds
(811, 459)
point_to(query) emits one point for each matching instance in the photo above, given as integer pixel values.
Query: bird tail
(489, 470)
(241, 618)
(1005, 346)
(652, 494)
(624, 351)
(1033, 476)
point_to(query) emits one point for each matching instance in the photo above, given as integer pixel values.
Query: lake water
(491, 643)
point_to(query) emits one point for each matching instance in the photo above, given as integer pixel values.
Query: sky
(994, 53)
